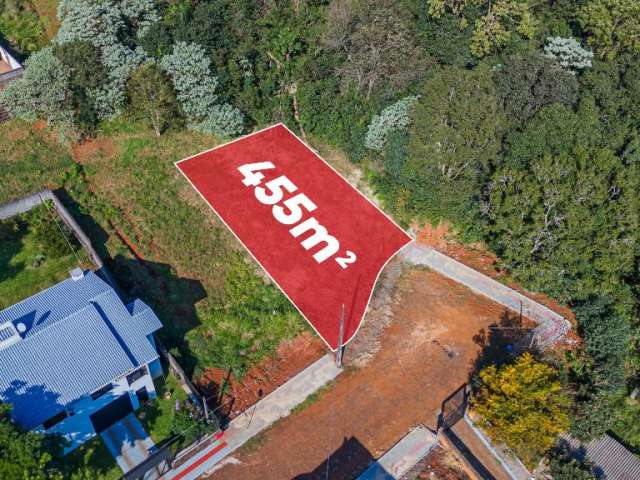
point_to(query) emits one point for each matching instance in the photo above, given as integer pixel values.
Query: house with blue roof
(75, 359)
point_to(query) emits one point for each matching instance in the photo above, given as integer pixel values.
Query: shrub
(564, 466)
(394, 117)
(522, 405)
(52, 234)
(568, 52)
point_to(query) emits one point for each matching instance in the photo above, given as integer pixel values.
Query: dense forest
(515, 121)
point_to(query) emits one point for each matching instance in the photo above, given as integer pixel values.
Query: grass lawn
(157, 415)
(25, 269)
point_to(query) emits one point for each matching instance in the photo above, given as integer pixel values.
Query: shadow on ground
(498, 340)
(346, 463)
(173, 298)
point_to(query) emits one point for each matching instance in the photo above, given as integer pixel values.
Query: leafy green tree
(87, 74)
(455, 136)
(607, 336)
(612, 26)
(522, 405)
(567, 225)
(528, 83)
(26, 455)
(42, 92)
(152, 98)
(448, 39)
(615, 87)
(113, 27)
(495, 24)
(563, 465)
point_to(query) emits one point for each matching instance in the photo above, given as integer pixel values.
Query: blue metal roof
(79, 336)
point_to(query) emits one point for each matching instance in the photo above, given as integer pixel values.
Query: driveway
(129, 443)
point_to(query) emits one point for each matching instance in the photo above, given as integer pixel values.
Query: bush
(522, 405)
(564, 466)
(52, 234)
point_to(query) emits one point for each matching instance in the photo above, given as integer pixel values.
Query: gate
(454, 407)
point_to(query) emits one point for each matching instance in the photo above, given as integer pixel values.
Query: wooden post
(340, 339)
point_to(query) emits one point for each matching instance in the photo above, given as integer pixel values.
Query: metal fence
(454, 407)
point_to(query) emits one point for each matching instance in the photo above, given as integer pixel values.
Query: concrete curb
(262, 415)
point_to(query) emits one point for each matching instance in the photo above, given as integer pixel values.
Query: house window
(57, 418)
(136, 374)
(98, 393)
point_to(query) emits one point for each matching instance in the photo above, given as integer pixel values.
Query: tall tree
(455, 137)
(612, 26)
(152, 98)
(528, 83)
(42, 92)
(378, 44)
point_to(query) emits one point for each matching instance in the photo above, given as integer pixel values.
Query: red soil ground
(291, 357)
(427, 352)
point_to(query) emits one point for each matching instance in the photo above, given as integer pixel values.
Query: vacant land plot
(161, 242)
(440, 332)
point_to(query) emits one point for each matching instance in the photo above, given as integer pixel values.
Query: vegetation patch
(37, 250)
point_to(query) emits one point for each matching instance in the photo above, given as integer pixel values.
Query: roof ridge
(46, 327)
(57, 285)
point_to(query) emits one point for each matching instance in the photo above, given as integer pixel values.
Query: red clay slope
(321, 241)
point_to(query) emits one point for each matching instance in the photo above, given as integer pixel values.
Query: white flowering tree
(395, 117)
(190, 71)
(568, 52)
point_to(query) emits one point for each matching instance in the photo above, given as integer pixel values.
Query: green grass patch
(28, 264)
(313, 398)
(31, 159)
(157, 415)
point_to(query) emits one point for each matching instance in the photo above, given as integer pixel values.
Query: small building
(74, 359)
(610, 459)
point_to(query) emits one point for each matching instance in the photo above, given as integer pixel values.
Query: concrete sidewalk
(266, 412)
(417, 254)
(403, 455)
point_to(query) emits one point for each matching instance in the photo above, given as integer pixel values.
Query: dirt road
(426, 353)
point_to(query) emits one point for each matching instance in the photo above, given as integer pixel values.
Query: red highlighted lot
(320, 240)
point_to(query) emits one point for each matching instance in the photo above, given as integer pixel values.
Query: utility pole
(340, 339)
